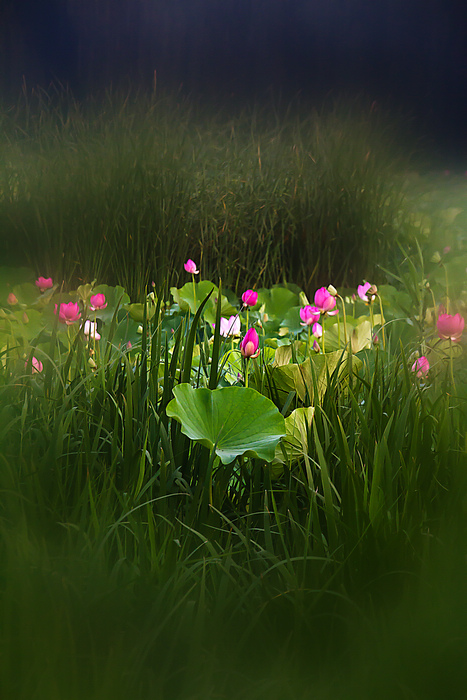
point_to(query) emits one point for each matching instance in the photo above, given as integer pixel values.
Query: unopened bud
(332, 290)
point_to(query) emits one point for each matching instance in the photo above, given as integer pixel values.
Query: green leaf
(236, 420)
(299, 377)
(277, 301)
(295, 441)
(185, 297)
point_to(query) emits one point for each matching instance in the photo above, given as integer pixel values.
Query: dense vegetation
(227, 489)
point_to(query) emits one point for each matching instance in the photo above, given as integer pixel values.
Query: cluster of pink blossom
(449, 327)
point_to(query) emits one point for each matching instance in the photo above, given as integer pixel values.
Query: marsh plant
(232, 428)
(222, 488)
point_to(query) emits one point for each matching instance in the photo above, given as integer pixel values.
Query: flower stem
(382, 322)
(451, 365)
(194, 289)
(344, 318)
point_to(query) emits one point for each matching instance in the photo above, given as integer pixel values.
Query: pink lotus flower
(44, 283)
(421, 366)
(309, 315)
(367, 292)
(90, 330)
(250, 297)
(97, 302)
(12, 300)
(36, 365)
(229, 326)
(190, 267)
(249, 347)
(68, 313)
(450, 327)
(325, 302)
(317, 330)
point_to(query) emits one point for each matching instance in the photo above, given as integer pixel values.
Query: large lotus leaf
(284, 354)
(396, 303)
(237, 420)
(21, 325)
(11, 276)
(227, 310)
(453, 271)
(292, 321)
(27, 293)
(359, 332)
(448, 216)
(136, 311)
(114, 297)
(277, 301)
(295, 441)
(299, 377)
(185, 297)
(126, 331)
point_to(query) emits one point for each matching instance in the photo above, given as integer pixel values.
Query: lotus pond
(244, 490)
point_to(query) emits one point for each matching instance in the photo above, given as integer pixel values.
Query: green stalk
(194, 289)
(344, 318)
(451, 365)
(382, 322)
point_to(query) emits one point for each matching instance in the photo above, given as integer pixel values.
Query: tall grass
(122, 577)
(134, 563)
(127, 188)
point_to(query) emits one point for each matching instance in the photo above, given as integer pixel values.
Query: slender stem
(434, 306)
(246, 372)
(382, 322)
(194, 289)
(447, 287)
(451, 365)
(344, 318)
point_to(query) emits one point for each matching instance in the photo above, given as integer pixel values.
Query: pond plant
(253, 489)
(207, 430)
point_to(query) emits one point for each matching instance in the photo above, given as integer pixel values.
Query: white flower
(90, 330)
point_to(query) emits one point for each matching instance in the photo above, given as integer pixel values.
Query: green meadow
(233, 404)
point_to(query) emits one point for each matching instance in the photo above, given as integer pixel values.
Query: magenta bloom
(421, 366)
(44, 283)
(249, 347)
(325, 302)
(317, 330)
(230, 326)
(309, 315)
(68, 313)
(250, 297)
(36, 364)
(450, 327)
(190, 267)
(366, 292)
(97, 302)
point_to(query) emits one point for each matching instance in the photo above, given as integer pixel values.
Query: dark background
(405, 54)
